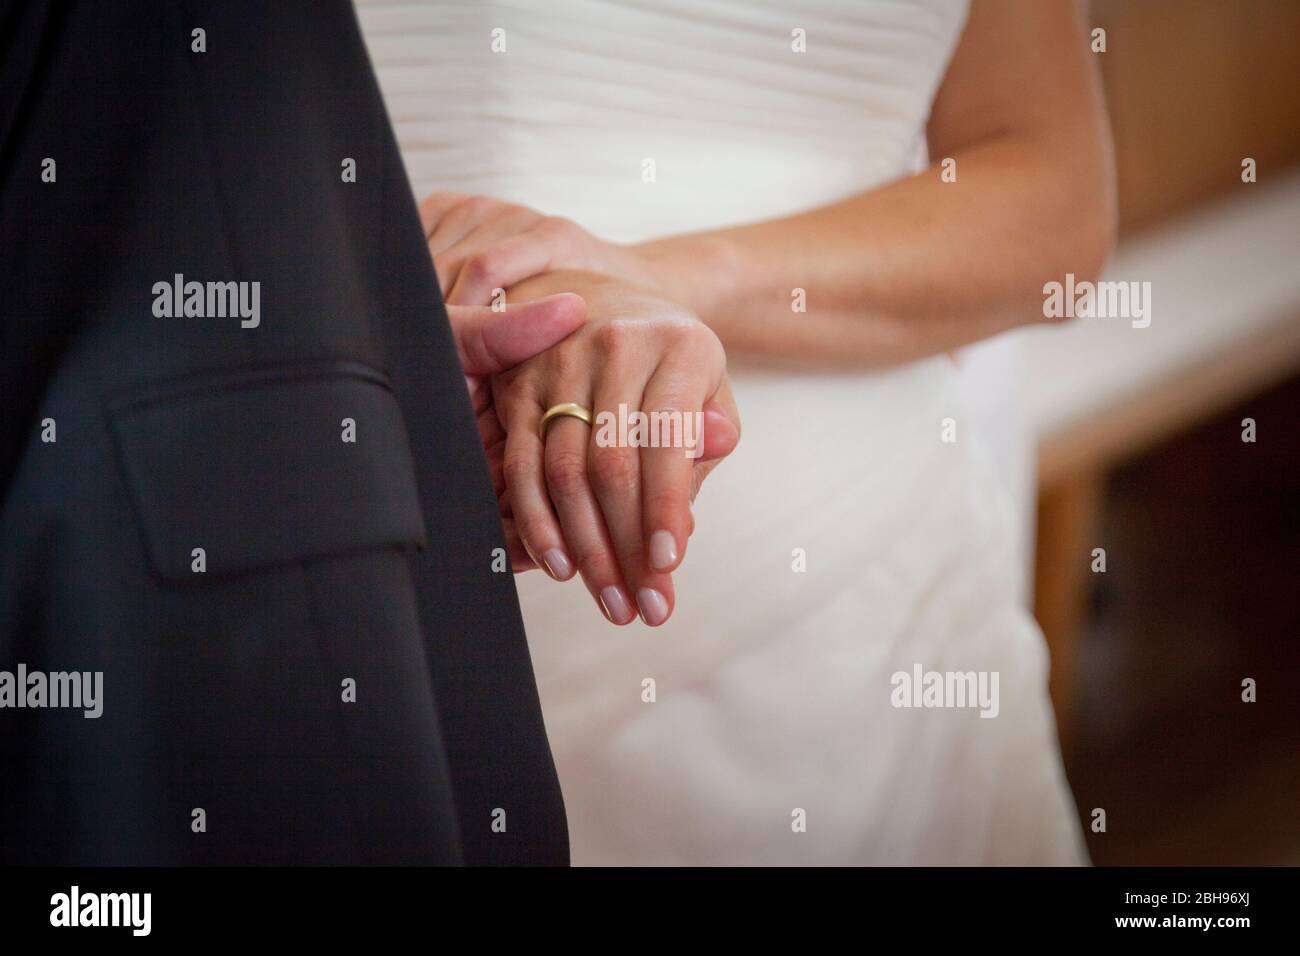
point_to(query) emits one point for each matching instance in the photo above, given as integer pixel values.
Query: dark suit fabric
(326, 560)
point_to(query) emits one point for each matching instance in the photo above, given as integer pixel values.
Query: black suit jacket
(324, 561)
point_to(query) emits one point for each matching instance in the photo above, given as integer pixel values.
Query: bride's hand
(481, 244)
(620, 515)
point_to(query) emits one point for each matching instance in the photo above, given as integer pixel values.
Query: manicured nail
(654, 606)
(615, 605)
(557, 564)
(663, 550)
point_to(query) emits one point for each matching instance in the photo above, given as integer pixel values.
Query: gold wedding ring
(569, 409)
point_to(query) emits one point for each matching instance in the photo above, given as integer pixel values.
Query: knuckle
(679, 331)
(516, 394)
(614, 469)
(481, 266)
(704, 341)
(532, 529)
(566, 473)
(517, 468)
(690, 338)
(666, 504)
(672, 404)
(565, 362)
(615, 337)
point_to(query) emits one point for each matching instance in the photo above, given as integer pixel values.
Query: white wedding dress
(845, 540)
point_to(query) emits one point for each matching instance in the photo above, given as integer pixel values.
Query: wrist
(700, 271)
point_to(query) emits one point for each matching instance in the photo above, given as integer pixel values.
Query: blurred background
(1141, 452)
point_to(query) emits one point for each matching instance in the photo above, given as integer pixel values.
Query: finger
(503, 264)
(530, 506)
(475, 250)
(520, 562)
(581, 519)
(672, 406)
(489, 342)
(515, 551)
(721, 436)
(434, 206)
(456, 223)
(493, 436)
(456, 219)
(615, 472)
(721, 433)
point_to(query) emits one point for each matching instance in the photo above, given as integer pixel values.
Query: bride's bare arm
(923, 265)
(913, 268)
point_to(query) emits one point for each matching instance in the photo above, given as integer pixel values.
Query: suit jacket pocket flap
(262, 468)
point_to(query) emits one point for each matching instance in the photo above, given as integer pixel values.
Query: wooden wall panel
(1193, 86)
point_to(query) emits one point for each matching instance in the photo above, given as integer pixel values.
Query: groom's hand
(490, 341)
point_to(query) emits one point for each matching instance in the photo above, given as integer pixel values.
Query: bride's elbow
(1083, 250)
(1092, 205)
(1099, 228)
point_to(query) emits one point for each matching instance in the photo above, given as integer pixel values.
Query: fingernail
(663, 550)
(654, 606)
(615, 605)
(557, 564)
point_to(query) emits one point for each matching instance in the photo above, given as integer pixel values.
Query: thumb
(721, 434)
(489, 342)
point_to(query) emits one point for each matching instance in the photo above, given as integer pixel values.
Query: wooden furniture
(1192, 87)
(1225, 287)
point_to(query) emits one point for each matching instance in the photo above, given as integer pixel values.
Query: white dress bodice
(563, 105)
